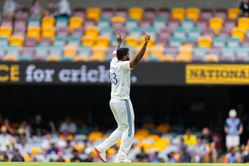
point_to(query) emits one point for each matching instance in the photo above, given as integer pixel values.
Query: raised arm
(119, 41)
(140, 54)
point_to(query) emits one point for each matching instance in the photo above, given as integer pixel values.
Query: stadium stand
(182, 34)
(38, 140)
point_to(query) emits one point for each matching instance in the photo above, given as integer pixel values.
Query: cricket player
(120, 103)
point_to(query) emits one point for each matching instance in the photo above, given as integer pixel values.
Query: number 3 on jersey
(113, 78)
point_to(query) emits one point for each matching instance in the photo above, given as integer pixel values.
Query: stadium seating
(95, 28)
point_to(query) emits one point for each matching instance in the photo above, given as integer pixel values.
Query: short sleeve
(126, 66)
(227, 123)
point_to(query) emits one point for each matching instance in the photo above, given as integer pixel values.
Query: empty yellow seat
(26, 158)
(5, 32)
(102, 41)
(178, 13)
(53, 58)
(233, 13)
(92, 31)
(88, 41)
(79, 147)
(157, 50)
(16, 41)
(93, 13)
(131, 41)
(216, 24)
(136, 13)
(205, 41)
(36, 151)
(119, 19)
(186, 49)
(161, 144)
(48, 22)
(10, 58)
(211, 58)
(70, 51)
(139, 137)
(75, 22)
(34, 32)
(147, 146)
(239, 33)
(48, 33)
(111, 151)
(193, 13)
(100, 52)
(143, 132)
(80, 59)
(243, 22)
(97, 58)
(183, 58)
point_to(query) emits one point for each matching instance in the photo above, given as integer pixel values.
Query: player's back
(120, 74)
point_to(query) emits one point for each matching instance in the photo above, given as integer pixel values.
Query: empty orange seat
(34, 32)
(100, 52)
(205, 41)
(239, 33)
(211, 58)
(53, 58)
(10, 58)
(16, 41)
(88, 41)
(243, 22)
(119, 19)
(161, 144)
(143, 132)
(93, 13)
(5, 32)
(183, 58)
(36, 151)
(70, 51)
(186, 49)
(80, 58)
(102, 41)
(92, 31)
(48, 22)
(193, 13)
(233, 13)
(157, 50)
(216, 24)
(178, 13)
(48, 33)
(75, 22)
(93, 136)
(136, 13)
(131, 41)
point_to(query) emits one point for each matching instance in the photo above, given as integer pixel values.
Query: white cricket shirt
(120, 76)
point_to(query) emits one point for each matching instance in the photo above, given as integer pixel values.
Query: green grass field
(111, 164)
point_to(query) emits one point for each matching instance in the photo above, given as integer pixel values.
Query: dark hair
(122, 52)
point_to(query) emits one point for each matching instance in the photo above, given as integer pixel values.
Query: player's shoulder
(114, 60)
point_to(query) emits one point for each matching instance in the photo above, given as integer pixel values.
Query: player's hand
(147, 38)
(119, 38)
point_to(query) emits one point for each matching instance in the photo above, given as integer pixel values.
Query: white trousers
(232, 141)
(124, 115)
